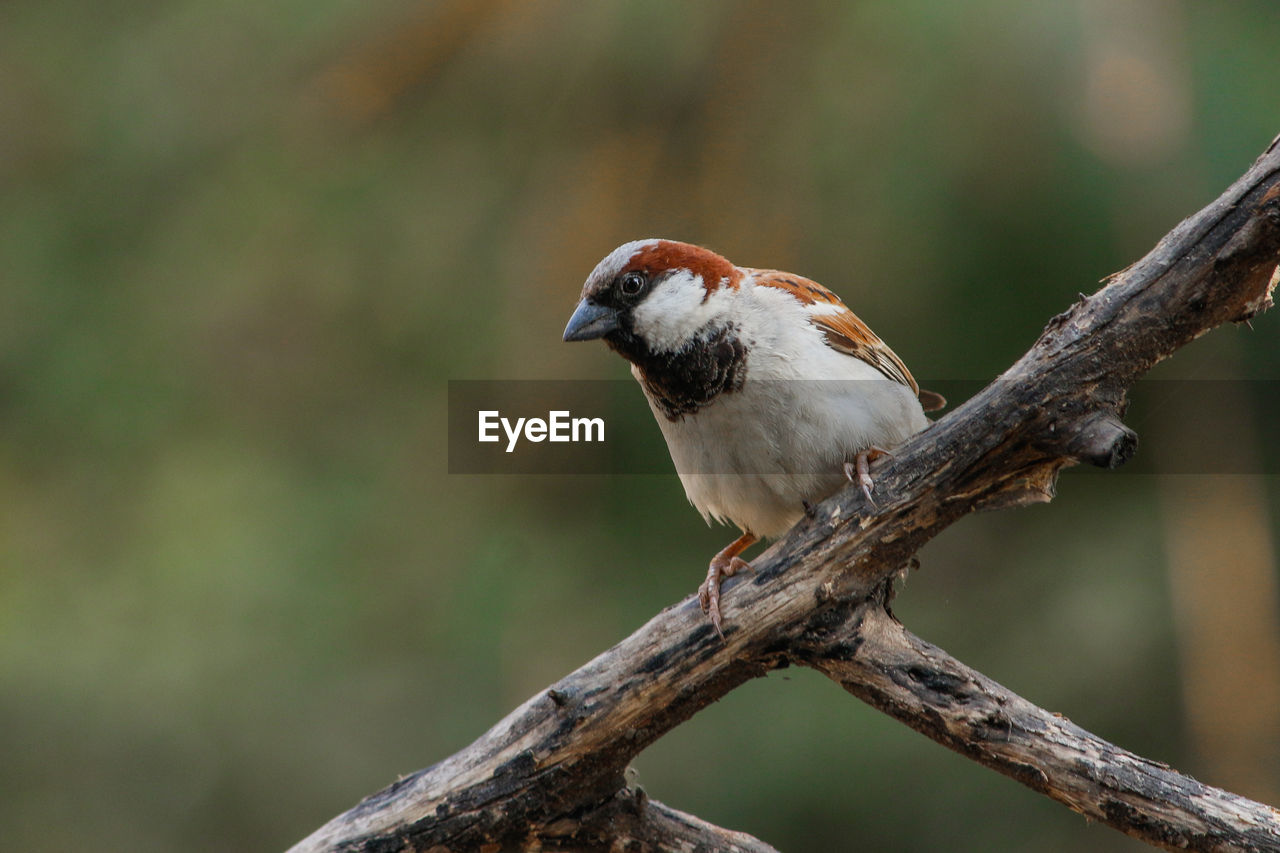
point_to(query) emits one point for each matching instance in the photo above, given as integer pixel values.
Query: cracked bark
(550, 775)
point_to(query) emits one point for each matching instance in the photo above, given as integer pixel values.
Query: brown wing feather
(846, 333)
(842, 331)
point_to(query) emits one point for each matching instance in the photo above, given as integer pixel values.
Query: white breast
(754, 456)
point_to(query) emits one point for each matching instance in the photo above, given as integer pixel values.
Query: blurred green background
(243, 247)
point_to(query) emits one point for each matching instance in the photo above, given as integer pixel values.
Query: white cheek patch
(677, 309)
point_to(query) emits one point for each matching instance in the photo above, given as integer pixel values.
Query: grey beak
(590, 321)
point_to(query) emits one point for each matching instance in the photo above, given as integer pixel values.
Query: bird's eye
(632, 283)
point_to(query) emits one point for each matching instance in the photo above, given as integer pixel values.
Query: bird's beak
(590, 321)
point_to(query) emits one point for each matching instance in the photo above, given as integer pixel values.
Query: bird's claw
(859, 471)
(709, 592)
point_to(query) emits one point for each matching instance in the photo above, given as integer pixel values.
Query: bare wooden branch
(631, 821)
(924, 687)
(811, 599)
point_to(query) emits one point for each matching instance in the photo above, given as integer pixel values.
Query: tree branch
(933, 693)
(813, 597)
(631, 821)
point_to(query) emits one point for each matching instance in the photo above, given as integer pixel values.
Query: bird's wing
(840, 327)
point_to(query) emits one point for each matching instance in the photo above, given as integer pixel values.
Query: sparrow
(771, 394)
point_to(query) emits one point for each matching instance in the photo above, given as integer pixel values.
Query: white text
(558, 426)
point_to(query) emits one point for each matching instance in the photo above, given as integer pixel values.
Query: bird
(771, 394)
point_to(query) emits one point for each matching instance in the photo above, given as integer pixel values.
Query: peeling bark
(924, 687)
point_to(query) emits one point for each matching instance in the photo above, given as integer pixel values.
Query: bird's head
(653, 296)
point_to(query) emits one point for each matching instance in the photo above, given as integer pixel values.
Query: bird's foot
(859, 470)
(726, 564)
(709, 592)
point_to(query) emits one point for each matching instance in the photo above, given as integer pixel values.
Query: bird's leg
(726, 564)
(862, 466)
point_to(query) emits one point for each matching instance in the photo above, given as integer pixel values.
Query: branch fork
(551, 775)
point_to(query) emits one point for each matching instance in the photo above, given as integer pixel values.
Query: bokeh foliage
(243, 247)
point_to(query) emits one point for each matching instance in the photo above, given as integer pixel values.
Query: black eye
(632, 283)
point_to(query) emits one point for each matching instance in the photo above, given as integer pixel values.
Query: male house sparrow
(770, 392)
